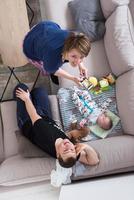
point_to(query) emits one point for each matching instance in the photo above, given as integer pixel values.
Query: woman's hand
(79, 147)
(23, 95)
(88, 155)
(83, 71)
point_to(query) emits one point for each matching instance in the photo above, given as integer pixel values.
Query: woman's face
(65, 148)
(74, 57)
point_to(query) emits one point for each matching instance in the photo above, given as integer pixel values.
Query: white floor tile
(37, 191)
(116, 187)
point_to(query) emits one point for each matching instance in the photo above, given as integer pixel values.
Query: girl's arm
(62, 73)
(83, 70)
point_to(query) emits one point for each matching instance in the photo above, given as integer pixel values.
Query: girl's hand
(83, 71)
(77, 81)
(23, 95)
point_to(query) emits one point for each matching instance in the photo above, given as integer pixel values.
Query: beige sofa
(113, 53)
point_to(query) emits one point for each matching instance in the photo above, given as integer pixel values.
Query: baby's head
(104, 121)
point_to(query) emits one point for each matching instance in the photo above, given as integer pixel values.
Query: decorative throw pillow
(69, 112)
(119, 40)
(88, 17)
(27, 149)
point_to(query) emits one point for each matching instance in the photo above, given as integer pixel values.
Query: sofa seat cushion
(116, 156)
(18, 170)
(119, 40)
(125, 100)
(50, 9)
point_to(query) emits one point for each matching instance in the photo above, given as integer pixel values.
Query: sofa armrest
(125, 100)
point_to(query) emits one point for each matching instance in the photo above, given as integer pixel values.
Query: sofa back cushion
(119, 40)
(125, 100)
(109, 6)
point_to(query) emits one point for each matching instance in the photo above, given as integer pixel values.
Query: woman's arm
(62, 73)
(88, 155)
(25, 96)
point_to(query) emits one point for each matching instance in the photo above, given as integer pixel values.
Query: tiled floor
(35, 191)
(108, 188)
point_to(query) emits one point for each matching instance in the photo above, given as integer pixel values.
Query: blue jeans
(40, 100)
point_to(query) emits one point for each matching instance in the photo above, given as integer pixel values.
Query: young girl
(48, 46)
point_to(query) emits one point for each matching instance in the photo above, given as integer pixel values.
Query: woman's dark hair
(77, 41)
(68, 163)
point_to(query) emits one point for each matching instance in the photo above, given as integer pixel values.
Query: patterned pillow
(69, 112)
(88, 17)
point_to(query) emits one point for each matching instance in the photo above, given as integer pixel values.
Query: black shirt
(44, 133)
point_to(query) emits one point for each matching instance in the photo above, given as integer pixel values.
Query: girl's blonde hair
(77, 41)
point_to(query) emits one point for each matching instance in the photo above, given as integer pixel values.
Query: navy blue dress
(45, 42)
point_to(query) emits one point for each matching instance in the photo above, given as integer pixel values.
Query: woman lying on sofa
(47, 46)
(34, 119)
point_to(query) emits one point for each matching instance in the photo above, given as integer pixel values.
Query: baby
(91, 113)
